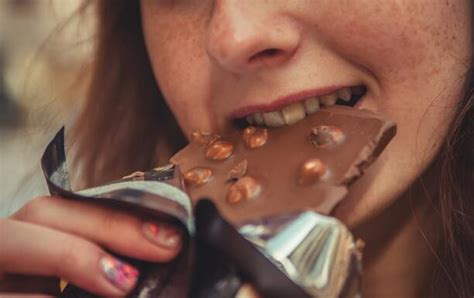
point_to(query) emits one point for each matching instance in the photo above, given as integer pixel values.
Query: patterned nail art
(163, 235)
(122, 275)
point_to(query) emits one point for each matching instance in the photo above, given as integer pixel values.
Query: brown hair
(455, 201)
(124, 120)
(125, 123)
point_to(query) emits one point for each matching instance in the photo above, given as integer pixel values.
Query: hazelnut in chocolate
(261, 172)
(312, 171)
(197, 176)
(245, 188)
(219, 150)
(255, 137)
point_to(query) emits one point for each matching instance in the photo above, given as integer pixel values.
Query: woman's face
(217, 60)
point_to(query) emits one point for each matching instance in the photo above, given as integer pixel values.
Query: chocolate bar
(276, 184)
(260, 172)
(273, 185)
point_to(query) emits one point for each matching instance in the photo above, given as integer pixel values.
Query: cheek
(417, 87)
(372, 35)
(179, 61)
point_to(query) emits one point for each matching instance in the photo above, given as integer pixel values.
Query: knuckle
(32, 210)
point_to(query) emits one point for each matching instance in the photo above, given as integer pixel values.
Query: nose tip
(240, 44)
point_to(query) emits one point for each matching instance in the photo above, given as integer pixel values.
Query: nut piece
(239, 170)
(311, 172)
(197, 176)
(246, 188)
(135, 176)
(219, 150)
(326, 136)
(203, 138)
(255, 137)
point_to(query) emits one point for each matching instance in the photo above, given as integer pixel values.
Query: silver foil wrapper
(316, 251)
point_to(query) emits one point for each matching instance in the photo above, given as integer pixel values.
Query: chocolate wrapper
(302, 254)
(316, 251)
(157, 195)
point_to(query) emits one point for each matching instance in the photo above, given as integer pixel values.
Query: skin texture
(53, 237)
(212, 58)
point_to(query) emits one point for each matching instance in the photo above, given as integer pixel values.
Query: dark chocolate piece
(307, 165)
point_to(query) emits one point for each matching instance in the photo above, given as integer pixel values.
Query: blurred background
(45, 48)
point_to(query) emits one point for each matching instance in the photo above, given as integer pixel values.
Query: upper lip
(282, 101)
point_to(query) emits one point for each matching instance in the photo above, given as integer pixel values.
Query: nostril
(268, 53)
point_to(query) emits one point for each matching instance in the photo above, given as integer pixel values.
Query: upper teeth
(298, 110)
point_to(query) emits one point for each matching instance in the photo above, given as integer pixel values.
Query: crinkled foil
(317, 252)
(314, 251)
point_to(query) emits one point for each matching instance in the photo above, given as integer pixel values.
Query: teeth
(328, 100)
(250, 119)
(297, 111)
(345, 94)
(274, 119)
(311, 105)
(293, 113)
(258, 117)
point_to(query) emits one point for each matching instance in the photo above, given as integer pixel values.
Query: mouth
(290, 113)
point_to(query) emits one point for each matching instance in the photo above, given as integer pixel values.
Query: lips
(292, 109)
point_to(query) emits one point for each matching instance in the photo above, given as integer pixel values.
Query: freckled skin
(410, 54)
(210, 58)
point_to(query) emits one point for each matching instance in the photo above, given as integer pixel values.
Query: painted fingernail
(122, 275)
(162, 234)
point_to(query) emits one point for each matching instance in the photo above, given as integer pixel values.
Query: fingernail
(122, 275)
(162, 234)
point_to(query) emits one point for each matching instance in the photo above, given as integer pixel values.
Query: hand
(66, 239)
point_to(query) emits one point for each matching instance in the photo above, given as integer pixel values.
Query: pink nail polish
(122, 275)
(162, 234)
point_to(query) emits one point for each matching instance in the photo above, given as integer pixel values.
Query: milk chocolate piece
(348, 140)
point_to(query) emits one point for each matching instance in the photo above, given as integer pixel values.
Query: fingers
(34, 250)
(115, 230)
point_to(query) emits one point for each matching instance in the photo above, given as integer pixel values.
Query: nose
(245, 36)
